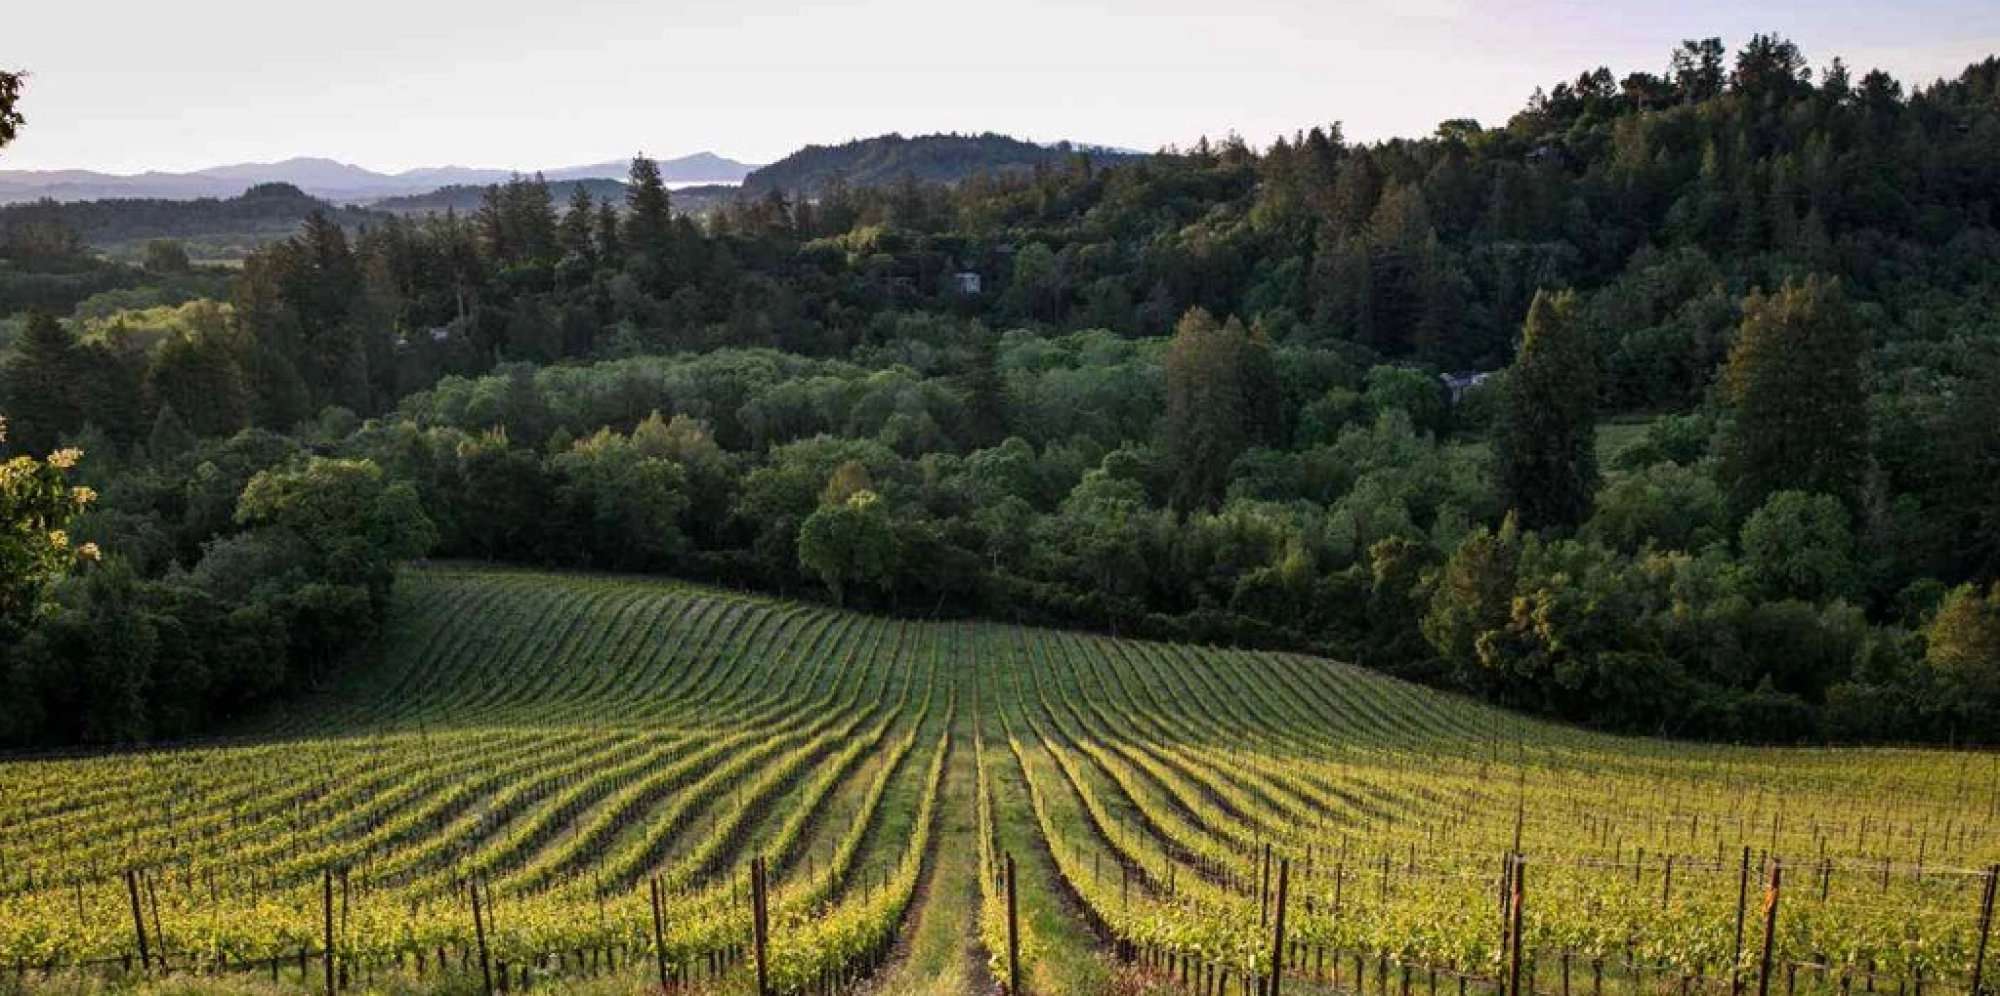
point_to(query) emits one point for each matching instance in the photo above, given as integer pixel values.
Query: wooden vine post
(1771, 889)
(1013, 933)
(760, 925)
(1985, 930)
(1264, 891)
(1742, 910)
(659, 931)
(138, 919)
(326, 910)
(1518, 895)
(478, 932)
(1278, 933)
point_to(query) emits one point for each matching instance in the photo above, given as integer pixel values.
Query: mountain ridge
(326, 178)
(884, 160)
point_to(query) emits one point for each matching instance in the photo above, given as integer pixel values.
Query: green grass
(942, 957)
(1618, 433)
(568, 739)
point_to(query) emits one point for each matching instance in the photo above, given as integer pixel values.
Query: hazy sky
(126, 85)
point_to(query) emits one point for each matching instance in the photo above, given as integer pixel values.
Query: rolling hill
(890, 159)
(601, 759)
(211, 228)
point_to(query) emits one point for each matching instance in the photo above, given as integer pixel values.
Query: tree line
(1194, 395)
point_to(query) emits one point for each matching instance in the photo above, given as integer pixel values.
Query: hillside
(701, 169)
(576, 742)
(890, 159)
(212, 228)
(1223, 394)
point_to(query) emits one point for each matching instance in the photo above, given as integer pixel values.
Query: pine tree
(609, 243)
(42, 379)
(198, 374)
(985, 389)
(1355, 192)
(1212, 369)
(170, 437)
(299, 299)
(1697, 69)
(1796, 383)
(1545, 441)
(576, 234)
(649, 217)
(517, 222)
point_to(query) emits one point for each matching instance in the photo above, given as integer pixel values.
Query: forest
(208, 228)
(890, 159)
(1665, 406)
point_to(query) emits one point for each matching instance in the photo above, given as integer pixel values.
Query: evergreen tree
(1770, 68)
(649, 216)
(108, 382)
(170, 437)
(517, 222)
(985, 389)
(609, 244)
(1796, 383)
(1546, 438)
(1211, 368)
(43, 382)
(199, 375)
(1697, 69)
(576, 233)
(1355, 192)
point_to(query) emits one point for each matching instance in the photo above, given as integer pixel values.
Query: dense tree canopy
(1513, 409)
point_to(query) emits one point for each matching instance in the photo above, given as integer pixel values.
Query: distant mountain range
(328, 180)
(225, 212)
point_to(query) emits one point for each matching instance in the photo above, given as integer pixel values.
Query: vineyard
(555, 777)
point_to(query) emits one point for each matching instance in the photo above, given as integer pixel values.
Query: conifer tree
(1546, 437)
(985, 389)
(1796, 384)
(1213, 369)
(41, 380)
(576, 233)
(649, 218)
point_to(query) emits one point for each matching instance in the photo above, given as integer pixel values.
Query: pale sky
(125, 86)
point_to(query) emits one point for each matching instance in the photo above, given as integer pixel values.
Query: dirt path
(939, 952)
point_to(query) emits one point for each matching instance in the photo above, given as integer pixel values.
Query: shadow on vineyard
(563, 783)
